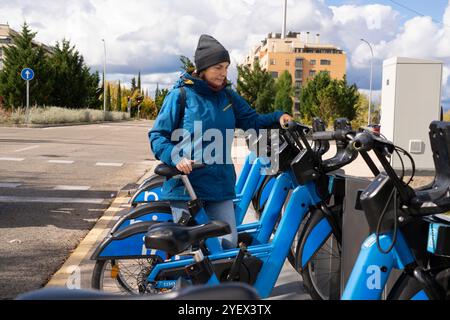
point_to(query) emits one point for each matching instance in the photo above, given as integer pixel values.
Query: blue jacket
(216, 182)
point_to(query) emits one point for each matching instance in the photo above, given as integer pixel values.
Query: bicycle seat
(174, 238)
(226, 291)
(435, 198)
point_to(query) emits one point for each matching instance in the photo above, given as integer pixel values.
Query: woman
(209, 104)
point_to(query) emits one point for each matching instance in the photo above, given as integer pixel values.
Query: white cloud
(150, 35)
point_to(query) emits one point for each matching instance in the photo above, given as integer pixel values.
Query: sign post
(27, 74)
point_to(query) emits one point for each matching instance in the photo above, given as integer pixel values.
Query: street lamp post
(104, 80)
(371, 81)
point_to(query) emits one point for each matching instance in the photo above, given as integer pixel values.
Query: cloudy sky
(149, 36)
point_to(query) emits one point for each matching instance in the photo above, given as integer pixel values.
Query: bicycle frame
(372, 268)
(272, 254)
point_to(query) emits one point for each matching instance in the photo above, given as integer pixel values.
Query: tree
(133, 85)
(157, 92)
(119, 98)
(328, 99)
(139, 83)
(187, 65)
(285, 92)
(24, 53)
(70, 76)
(94, 92)
(108, 98)
(160, 99)
(257, 87)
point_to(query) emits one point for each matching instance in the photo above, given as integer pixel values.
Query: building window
(298, 74)
(312, 62)
(312, 73)
(5, 41)
(299, 63)
(298, 84)
(325, 62)
(297, 107)
(273, 62)
(274, 74)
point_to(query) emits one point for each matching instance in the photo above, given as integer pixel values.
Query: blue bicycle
(408, 229)
(260, 263)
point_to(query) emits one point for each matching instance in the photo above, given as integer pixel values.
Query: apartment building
(302, 55)
(6, 33)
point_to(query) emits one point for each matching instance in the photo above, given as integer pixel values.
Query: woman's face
(216, 74)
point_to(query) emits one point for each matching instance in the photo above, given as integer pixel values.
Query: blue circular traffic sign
(27, 74)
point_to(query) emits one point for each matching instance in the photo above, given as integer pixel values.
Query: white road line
(49, 200)
(105, 164)
(28, 148)
(10, 185)
(72, 188)
(61, 161)
(12, 159)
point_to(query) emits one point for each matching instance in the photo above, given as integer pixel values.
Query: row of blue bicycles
(300, 210)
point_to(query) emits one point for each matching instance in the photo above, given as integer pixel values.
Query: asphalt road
(55, 183)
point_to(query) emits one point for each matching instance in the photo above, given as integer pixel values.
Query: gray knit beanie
(209, 53)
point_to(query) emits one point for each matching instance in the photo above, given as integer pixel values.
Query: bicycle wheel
(408, 288)
(322, 274)
(124, 276)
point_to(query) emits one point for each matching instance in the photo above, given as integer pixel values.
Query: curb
(71, 268)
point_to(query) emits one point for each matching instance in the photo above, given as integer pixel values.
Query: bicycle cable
(380, 221)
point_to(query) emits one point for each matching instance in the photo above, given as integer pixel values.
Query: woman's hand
(285, 118)
(185, 166)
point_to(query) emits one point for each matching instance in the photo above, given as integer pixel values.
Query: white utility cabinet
(411, 100)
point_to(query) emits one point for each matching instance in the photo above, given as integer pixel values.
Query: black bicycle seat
(226, 291)
(174, 238)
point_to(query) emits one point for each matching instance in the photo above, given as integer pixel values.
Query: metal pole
(28, 101)
(371, 82)
(104, 80)
(284, 20)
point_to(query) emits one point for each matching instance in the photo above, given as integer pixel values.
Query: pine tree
(25, 54)
(157, 92)
(139, 83)
(71, 77)
(108, 98)
(119, 98)
(285, 92)
(133, 85)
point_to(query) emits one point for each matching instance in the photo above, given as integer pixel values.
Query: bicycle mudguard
(154, 211)
(127, 244)
(317, 233)
(265, 192)
(149, 192)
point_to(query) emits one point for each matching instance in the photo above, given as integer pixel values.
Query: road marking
(28, 148)
(12, 159)
(105, 164)
(49, 200)
(72, 188)
(61, 161)
(10, 185)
